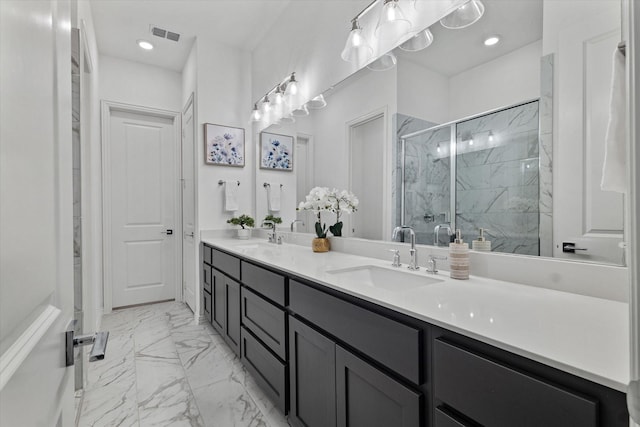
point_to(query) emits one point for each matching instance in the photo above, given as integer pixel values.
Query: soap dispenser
(481, 244)
(459, 258)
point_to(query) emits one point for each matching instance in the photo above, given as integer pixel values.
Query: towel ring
(221, 182)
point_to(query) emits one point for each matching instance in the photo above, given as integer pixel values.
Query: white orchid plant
(322, 199)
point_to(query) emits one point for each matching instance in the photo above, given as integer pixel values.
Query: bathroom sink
(383, 278)
(253, 245)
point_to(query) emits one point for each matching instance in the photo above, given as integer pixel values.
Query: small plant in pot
(274, 219)
(245, 222)
(341, 202)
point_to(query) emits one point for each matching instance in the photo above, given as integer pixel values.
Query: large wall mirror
(507, 137)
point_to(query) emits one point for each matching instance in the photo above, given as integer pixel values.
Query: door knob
(169, 232)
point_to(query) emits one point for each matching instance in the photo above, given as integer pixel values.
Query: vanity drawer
(391, 343)
(494, 394)
(207, 278)
(265, 320)
(206, 256)
(265, 282)
(226, 263)
(269, 372)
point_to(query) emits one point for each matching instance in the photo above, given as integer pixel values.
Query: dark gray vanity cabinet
(312, 370)
(222, 294)
(333, 386)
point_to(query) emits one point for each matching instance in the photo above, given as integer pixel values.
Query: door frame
(382, 112)
(196, 238)
(107, 108)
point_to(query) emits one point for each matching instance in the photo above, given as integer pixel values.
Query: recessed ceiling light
(145, 44)
(490, 41)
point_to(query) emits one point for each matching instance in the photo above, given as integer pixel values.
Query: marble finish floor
(162, 369)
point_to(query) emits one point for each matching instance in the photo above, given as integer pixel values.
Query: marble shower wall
(546, 156)
(497, 179)
(427, 176)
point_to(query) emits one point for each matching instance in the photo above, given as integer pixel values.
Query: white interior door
(584, 214)
(367, 148)
(36, 216)
(142, 177)
(303, 184)
(188, 208)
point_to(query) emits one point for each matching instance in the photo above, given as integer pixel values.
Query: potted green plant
(274, 219)
(245, 222)
(341, 202)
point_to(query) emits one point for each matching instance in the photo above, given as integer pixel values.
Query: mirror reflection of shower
(491, 162)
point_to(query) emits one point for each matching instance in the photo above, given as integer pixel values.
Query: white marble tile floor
(163, 369)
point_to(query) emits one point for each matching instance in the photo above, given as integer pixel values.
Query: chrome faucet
(436, 233)
(294, 222)
(272, 236)
(413, 252)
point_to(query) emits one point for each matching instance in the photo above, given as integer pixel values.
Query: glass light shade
(266, 106)
(420, 41)
(392, 24)
(317, 102)
(356, 50)
(255, 114)
(300, 111)
(287, 120)
(385, 62)
(465, 15)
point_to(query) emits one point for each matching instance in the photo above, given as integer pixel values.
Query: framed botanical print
(276, 152)
(224, 145)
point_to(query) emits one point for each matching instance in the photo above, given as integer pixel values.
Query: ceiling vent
(164, 34)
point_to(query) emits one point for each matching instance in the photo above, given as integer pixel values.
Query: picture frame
(224, 145)
(276, 152)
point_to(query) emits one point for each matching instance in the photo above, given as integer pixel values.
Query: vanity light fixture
(301, 111)
(145, 45)
(490, 136)
(465, 15)
(492, 40)
(357, 49)
(471, 141)
(384, 63)
(420, 41)
(438, 148)
(317, 102)
(392, 24)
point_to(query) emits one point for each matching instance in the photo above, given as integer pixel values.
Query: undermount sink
(383, 278)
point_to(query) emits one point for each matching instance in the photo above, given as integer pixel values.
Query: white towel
(231, 195)
(274, 195)
(614, 170)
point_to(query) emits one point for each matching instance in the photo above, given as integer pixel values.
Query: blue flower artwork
(224, 145)
(277, 151)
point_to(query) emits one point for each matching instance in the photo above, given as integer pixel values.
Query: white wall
(510, 79)
(139, 84)
(422, 93)
(223, 97)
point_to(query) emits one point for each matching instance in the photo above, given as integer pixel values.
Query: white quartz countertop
(582, 335)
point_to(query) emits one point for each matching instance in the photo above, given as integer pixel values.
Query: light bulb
(471, 141)
(145, 45)
(255, 114)
(392, 23)
(438, 148)
(490, 136)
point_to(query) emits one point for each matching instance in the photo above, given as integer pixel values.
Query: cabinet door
(366, 397)
(232, 320)
(218, 302)
(206, 297)
(312, 377)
